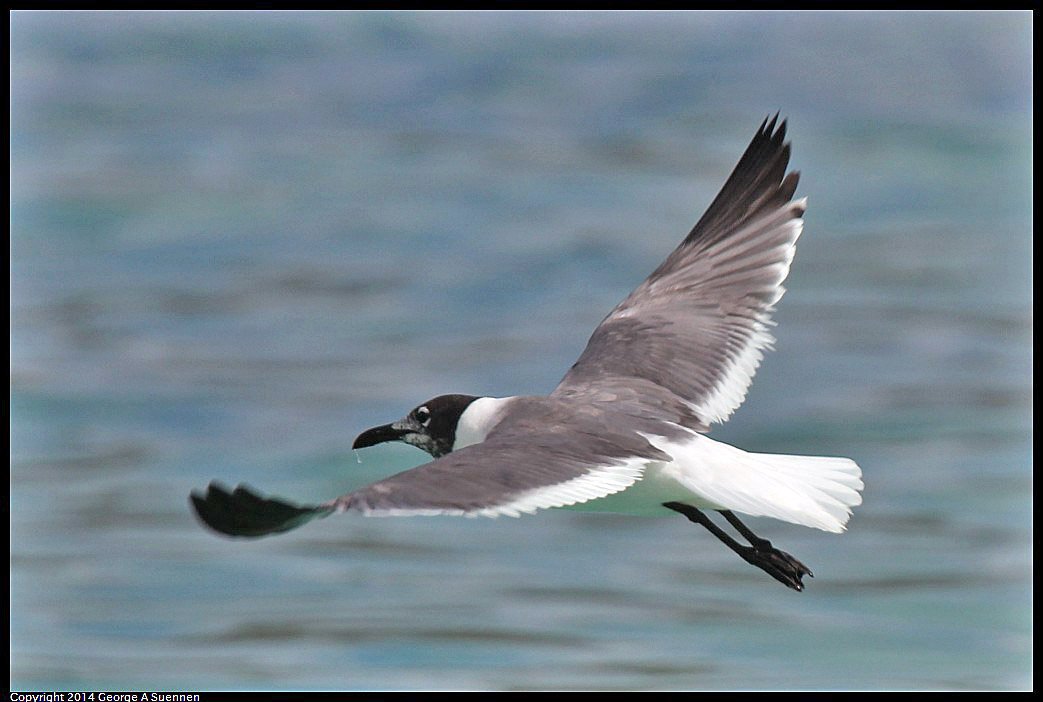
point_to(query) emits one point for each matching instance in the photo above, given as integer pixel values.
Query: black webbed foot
(778, 564)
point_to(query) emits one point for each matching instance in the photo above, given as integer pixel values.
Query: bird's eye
(423, 415)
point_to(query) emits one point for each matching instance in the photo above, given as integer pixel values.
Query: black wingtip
(772, 129)
(243, 513)
(759, 178)
(771, 125)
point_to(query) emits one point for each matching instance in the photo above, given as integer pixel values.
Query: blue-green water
(239, 239)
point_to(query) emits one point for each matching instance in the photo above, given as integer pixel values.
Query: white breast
(479, 419)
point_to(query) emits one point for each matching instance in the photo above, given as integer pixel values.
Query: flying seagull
(626, 428)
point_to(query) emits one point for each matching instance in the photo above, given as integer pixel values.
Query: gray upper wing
(691, 335)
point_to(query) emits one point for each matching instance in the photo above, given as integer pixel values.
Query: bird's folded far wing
(695, 329)
(513, 471)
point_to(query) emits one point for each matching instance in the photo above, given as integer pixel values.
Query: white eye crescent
(423, 415)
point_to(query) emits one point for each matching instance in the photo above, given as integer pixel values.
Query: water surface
(239, 239)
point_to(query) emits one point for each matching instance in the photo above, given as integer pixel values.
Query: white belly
(646, 496)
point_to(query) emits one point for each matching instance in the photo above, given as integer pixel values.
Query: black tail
(243, 513)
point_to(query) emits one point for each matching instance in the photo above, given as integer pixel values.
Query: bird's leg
(778, 564)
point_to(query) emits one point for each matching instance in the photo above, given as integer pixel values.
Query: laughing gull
(625, 429)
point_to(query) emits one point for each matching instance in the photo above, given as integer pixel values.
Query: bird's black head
(430, 426)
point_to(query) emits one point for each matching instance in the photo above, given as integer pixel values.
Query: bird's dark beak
(379, 435)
